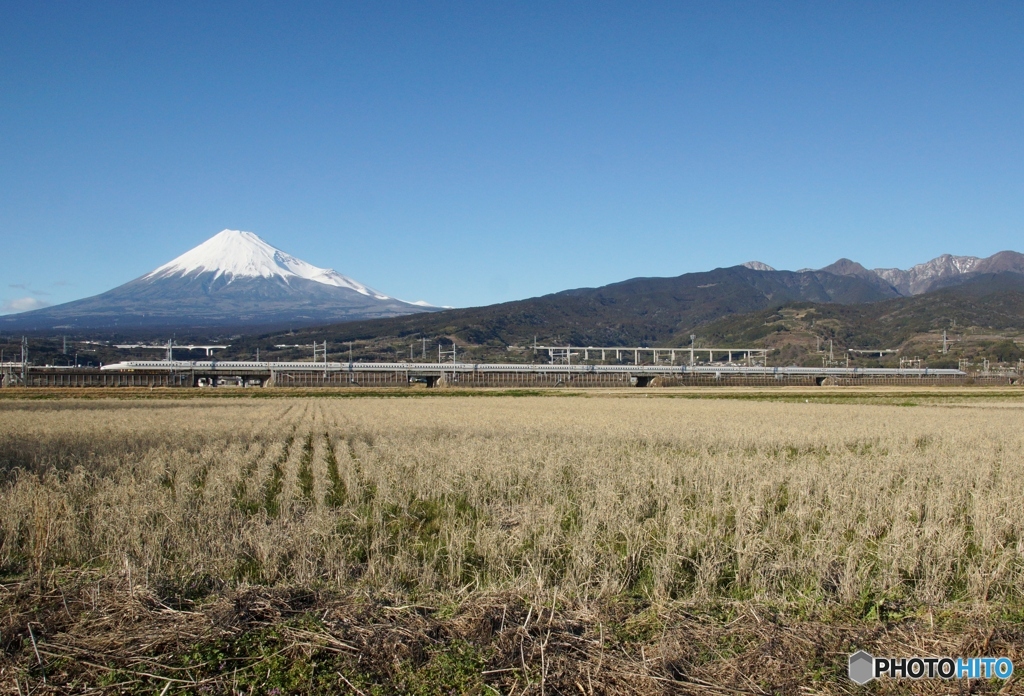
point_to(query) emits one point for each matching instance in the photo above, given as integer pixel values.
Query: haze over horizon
(468, 155)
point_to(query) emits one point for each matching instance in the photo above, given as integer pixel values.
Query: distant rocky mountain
(234, 279)
(943, 271)
(846, 267)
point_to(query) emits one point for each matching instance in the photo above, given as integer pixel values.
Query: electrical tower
(319, 350)
(442, 353)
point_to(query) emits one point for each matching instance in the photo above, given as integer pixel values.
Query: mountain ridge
(638, 311)
(942, 271)
(985, 303)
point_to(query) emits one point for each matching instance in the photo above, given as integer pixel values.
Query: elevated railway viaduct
(220, 373)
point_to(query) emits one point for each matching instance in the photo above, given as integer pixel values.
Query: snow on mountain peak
(922, 276)
(757, 266)
(237, 254)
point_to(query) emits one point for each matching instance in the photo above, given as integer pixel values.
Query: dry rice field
(503, 545)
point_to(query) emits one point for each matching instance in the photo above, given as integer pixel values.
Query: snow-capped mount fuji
(234, 254)
(233, 279)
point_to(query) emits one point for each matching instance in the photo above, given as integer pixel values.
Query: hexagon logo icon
(861, 668)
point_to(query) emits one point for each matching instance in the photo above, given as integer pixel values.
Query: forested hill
(989, 302)
(641, 311)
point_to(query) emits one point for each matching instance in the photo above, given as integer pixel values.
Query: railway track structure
(256, 373)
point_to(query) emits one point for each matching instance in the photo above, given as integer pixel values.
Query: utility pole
(424, 339)
(945, 344)
(693, 337)
(24, 360)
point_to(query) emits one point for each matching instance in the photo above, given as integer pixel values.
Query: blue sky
(471, 153)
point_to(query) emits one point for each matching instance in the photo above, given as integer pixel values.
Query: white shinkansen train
(256, 366)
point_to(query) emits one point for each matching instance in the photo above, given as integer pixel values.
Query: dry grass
(552, 545)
